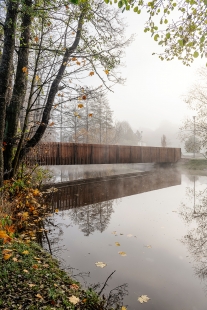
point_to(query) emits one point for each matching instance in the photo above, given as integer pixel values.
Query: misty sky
(154, 89)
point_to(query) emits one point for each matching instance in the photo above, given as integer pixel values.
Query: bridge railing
(55, 153)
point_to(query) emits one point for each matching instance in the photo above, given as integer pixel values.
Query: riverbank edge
(192, 166)
(30, 278)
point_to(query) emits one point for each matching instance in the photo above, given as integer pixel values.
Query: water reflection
(194, 213)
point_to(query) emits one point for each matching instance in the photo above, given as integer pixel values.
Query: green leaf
(180, 42)
(120, 4)
(106, 1)
(136, 9)
(165, 21)
(202, 39)
(74, 1)
(196, 54)
(168, 35)
(156, 37)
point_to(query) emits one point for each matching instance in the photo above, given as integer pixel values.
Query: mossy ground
(31, 279)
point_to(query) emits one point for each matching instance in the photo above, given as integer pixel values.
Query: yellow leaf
(31, 285)
(75, 113)
(25, 215)
(117, 243)
(91, 73)
(3, 234)
(80, 105)
(78, 63)
(143, 298)
(25, 252)
(36, 192)
(74, 300)
(74, 59)
(26, 271)
(100, 264)
(90, 114)
(106, 71)
(52, 124)
(122, 253)
(7, 256)
(36, 39)
(123, 308)
(37, 78)
(56, 210)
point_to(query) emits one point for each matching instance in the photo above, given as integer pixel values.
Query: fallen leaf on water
(143, 298)
(121, 234)
(100, 264)
(114, 232)
(122, 253)
(148, 246)
(74, 300)
(117, 243)
(129, 235)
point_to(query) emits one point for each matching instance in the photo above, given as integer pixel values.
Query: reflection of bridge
(86, 192)
(55, 153)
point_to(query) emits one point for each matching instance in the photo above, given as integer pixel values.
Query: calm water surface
(160, 220)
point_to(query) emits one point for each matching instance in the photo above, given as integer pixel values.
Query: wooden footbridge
(55, 153)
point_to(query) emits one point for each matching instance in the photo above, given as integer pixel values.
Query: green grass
(31, 279)
(196, 164)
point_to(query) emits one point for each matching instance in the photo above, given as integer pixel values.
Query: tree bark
(19, 89)
(6, 71)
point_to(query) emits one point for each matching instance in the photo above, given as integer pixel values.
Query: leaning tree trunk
(19, 89)
(6, 71)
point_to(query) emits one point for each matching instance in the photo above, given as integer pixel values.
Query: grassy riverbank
(30, 278)
(193, 164)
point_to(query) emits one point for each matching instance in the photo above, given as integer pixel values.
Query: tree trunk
(6, 71)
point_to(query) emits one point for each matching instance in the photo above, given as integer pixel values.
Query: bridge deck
(55, 153)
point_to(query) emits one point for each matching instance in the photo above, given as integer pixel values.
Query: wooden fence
(55, 153)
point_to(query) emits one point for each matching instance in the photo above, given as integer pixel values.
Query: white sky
(154, 88)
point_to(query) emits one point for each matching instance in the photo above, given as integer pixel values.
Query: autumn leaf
(25, 70)
(74, 59)
(36, 39)
(122, 253)
(7, 256)
(25, 252)
(123, 308)
(36, 192)
(25, 216)
(31, 284)
(10, 229)
(80, 105)
(148, 246)
(15, 259)
(100, 264)
(56, 210)
(114, 232)
(52, 124)
(3, 234)
(35, 266)
(74, 286)
(84, 97)
(143, 298)
(74, 300)
(39, 296)
(26, 271)
(117, 243)
(129, 235)
(78, 63)
(106, 71)
(91, 73)
(90, 114)
(37, 78)
(76, 114)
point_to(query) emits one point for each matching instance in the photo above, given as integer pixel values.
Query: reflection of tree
(93, 217)
(196, 239)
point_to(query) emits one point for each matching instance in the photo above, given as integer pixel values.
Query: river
(149, 226)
